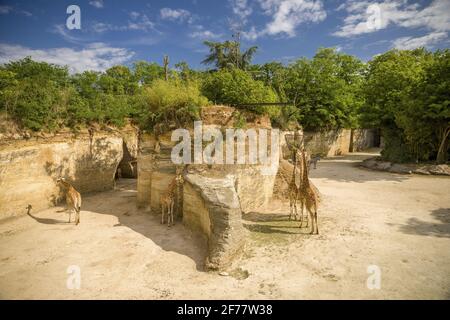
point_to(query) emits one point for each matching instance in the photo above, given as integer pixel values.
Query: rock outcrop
(406, 168)
(29, 168)
(214, 197)
(211, 207)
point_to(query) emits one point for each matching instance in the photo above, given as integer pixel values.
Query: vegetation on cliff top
(405, 93)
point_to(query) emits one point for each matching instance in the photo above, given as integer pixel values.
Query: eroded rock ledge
(212, 206)
(29, 167)
(408, 168)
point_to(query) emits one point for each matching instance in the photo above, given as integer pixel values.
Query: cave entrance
(127, 167)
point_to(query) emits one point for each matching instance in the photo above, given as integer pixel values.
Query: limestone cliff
(29, 168)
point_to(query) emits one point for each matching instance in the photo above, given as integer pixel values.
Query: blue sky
(119, 32)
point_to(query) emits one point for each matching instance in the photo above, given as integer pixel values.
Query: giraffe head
(179, 178)
(62, 182)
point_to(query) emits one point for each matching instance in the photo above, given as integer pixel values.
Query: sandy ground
(399, 223)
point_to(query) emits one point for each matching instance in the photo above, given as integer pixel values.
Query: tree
(272, 74)
(146, 72)
(228, 54)
(235, 86)
(389, 103)
(326, 89)
(424, 116)
(31, 92)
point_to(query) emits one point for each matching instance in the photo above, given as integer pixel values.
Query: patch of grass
(278, 232)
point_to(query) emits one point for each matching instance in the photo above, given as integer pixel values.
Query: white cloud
(287, 16)
(251, 34)
(174, 14)
(8, 9)
(409, 43)
(241, 9)
(97, 3)
(26, 13)
(138, 21)
(96, 56)
(360, 14)
(5, 9)
(65, 33)
(203, 34)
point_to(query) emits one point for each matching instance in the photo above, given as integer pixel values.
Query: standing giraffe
(73, 199)
(167, 199)
(308, 196)
(293, 192)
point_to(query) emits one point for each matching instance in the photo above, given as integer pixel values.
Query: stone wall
(29, 168)
(363, 139)
(339, 141)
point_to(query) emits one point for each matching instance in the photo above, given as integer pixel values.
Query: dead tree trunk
(443, 147)
(166, 67)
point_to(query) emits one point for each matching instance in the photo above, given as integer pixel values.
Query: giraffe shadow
(272, 223)
(47, 220)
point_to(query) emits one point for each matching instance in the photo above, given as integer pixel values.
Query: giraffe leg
(295, 210)
(315, 222)
(316, 231)
(170, 214)
(70, 213)
(77, 218)
(162, 213)
(306, 217)
(310, 211)
(290, 209)
(302, 212)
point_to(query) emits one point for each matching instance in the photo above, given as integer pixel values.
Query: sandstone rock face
(340, 141)
(28, 169)
(128, 165)
(213, 197)
(211, 206)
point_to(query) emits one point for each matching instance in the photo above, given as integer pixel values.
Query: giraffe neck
(304, 177)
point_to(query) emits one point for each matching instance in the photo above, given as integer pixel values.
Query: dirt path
(399, 223)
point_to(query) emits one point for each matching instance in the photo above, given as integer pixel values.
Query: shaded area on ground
(440, 229)
(125, 253)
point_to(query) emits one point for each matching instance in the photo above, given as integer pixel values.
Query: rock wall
(339, 141)
(128, 165)
(211, 207)
(213, 197)
(363, 139)
(29, 168)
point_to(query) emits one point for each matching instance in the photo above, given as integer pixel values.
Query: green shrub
(235, 86)
(170, 101)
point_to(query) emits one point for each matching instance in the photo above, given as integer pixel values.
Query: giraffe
(293, 192)
(168, 198)
(73, 199)
(302, 172)
(308, 196)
